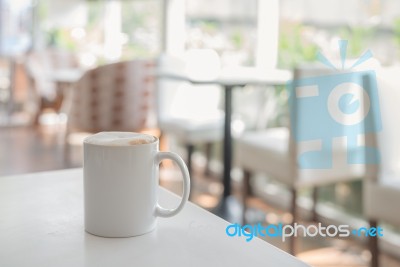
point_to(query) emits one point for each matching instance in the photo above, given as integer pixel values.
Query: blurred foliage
(133, 19)
(133, 50)
(294, 48)
(140, 23)
(95, 12)
(237, 39)
(61, 38)
(209, 26)
(396, 31)
(358, 39)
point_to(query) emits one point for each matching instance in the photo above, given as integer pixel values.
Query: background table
(65, 78)
(67, 75)
(228, 79)
(41, 224)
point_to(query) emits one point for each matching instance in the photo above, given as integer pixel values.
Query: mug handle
(162, 212)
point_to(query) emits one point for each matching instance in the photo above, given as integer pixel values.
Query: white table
(65, 75)
(228, 79)
(41, 224)
(235, 76)
(64, 78)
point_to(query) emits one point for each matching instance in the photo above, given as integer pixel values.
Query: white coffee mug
(121, 184)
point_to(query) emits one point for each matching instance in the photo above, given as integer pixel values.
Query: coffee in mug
(121, 183)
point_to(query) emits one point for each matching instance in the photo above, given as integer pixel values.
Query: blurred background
(48, 47)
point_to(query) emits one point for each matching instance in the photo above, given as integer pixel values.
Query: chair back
(114, 97)
(320, 144)
(387, 139)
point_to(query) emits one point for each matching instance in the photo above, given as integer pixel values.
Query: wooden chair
(114, 97)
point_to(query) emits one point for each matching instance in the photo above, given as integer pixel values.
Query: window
(230, 28)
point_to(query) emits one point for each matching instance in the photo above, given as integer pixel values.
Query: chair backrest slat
(117, 96)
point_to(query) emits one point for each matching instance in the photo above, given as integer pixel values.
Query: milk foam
(119, 139)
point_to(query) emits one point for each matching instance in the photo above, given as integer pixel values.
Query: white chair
(113, 97)
(189, 112)
(274, 152)
(382, 183)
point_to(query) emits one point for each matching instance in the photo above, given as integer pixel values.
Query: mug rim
(156, 139)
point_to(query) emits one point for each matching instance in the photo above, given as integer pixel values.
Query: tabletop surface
(238, 76)
(66, 75)
(41, 224)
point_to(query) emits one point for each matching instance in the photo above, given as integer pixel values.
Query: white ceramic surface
(120, 185)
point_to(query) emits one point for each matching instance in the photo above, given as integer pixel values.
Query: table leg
(227, 141)
(229, 207)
